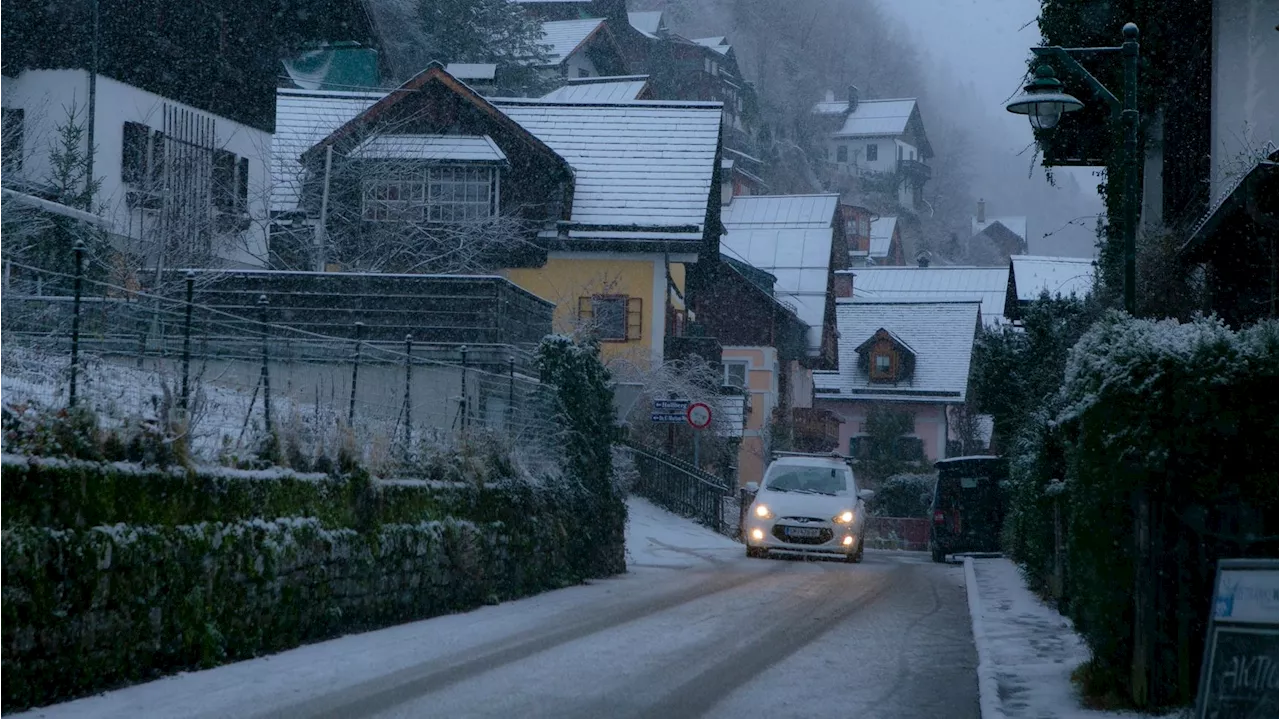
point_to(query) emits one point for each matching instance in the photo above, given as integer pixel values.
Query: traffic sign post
(699, 417)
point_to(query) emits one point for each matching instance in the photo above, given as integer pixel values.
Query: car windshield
(809, 480)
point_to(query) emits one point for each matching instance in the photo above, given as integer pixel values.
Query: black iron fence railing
(680, 487)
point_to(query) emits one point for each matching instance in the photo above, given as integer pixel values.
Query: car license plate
(803, 532)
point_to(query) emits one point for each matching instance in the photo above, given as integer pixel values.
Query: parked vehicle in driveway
(968, 506)
(808, 504)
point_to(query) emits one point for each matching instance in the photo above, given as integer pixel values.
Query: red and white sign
(698, 415)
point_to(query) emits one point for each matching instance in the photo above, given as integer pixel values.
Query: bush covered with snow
(1183, 415)
(904, 495)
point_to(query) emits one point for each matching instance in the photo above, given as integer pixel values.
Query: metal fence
(230, 379)
(684, 489)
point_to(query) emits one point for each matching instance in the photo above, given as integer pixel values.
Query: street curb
(988, 687)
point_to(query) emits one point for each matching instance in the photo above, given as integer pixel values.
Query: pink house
(911, 355)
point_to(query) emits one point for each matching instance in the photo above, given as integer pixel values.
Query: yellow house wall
(762, 384)
(566, 276)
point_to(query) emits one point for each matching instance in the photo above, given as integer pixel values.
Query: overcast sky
(985, 42)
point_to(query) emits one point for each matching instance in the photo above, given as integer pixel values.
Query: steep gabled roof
(879, 118)
(649, 23)
(304, 118)
(1066, 276)
(792, 211)
(1017, 224)
(565, 36)
(800, 259)
(641, 167)
(941, 335)
(600, 89)
(882, 229)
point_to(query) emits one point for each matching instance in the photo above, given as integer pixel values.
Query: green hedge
(1185, 415)
(85, 610)
(69, 493)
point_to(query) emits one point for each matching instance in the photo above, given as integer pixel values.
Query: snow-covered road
(694, 629)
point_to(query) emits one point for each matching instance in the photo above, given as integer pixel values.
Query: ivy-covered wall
(89, 606)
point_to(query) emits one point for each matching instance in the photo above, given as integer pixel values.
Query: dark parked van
(968, 506)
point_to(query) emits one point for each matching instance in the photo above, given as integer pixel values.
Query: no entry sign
(698, 415)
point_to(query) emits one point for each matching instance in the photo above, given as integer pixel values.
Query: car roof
(810, 462)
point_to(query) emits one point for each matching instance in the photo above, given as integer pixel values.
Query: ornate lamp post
(1043, 102)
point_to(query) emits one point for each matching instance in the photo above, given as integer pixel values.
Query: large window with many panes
(436, 193)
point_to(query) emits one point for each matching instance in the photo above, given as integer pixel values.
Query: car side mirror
(752, 487)
(866, 494)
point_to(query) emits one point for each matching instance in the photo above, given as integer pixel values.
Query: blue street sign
(672, 417)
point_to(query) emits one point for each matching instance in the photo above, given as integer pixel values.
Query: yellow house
(643, 207)
(611, 199)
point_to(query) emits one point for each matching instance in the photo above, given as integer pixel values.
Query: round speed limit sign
(698, 415)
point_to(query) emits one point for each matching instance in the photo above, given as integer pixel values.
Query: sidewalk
(1026, 650)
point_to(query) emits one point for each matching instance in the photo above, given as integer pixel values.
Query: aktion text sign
(1240, 671)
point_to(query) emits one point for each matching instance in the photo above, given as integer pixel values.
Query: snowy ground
(694, 629)
(1026, 650)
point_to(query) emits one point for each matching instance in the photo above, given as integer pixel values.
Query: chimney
(853, 98)
(982, 211)
(830, 96)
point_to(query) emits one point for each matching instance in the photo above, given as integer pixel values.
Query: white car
(808, 504)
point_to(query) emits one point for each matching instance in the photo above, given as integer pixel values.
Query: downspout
(322, 230)
(93, 99)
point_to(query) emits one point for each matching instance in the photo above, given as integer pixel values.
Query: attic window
(432, 194)
(883, 365)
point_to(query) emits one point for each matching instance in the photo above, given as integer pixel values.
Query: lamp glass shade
(1045, 115)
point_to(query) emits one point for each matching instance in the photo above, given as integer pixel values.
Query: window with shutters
(873, 152)
(613, 318)
(12, 140)
(142, 166)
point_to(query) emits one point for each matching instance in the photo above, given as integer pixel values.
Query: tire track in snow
(408, 684)
(688, 690)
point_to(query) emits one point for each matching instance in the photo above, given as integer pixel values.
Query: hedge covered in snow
(87, 609)
(1183, 415)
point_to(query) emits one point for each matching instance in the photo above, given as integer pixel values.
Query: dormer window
(885, 357)
(428, 178)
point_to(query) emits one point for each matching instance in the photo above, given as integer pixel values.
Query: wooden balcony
(816, 430)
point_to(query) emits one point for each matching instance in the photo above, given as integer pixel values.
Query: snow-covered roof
(1064, 276)
(872, 118)
(304, 118)
(800, 259)
(465, 148)
(472, 70)
(882, 229)
(600, 89)
(1017, 224)
(941, 334)
(791, 211)
(717, 43)
(985, 284)
(566, 36)
(648, 23)
(636, 163)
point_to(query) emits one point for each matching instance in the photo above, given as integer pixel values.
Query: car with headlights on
(808, 504)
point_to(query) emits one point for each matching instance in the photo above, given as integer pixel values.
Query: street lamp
(1043, 102)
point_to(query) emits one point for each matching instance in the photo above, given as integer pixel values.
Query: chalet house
(884, 244)
(1031, 276)
(932, 284)
(877, 140)
(996, 238)
(763, 351)
(909, 355)
(582, 48)
(800, 240)
(1235, 239)
(612, 200)
(173, 177)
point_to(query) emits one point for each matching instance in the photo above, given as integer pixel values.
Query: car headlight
(763, 512)
(844, 517)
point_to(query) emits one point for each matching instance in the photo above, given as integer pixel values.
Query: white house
(877, 137)
(168, 171)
